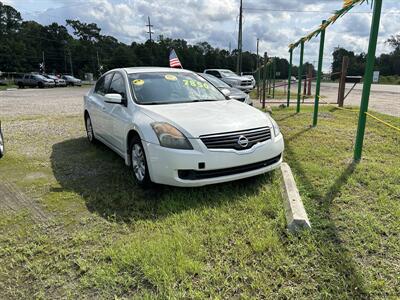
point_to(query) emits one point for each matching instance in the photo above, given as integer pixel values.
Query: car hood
(199, 118)
(236, 93)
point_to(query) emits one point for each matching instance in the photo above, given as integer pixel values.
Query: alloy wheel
(138, 162)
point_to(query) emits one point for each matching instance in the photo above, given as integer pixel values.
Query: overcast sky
(276, 23)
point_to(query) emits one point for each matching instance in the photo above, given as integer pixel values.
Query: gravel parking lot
(42, 101)
(384, 98)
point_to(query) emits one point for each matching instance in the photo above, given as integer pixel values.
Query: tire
(40, 85)
(140, 170)
(2, 150)
(20, 85)
(89, 130)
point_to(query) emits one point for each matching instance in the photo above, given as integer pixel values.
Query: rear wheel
(89, 130)
(20, 85)
(40, 85)
(140, 169)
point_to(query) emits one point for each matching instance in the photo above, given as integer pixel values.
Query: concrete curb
(296, 215)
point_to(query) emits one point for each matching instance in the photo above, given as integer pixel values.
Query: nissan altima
(173, 127)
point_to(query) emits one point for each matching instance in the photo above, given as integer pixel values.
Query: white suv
(174, 127)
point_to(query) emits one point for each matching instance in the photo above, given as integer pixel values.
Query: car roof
(133, 70)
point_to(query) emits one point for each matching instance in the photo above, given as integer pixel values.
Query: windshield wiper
(152, 103)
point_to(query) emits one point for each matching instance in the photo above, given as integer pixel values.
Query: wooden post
(342, 83)
(289, 76)
(310, 73)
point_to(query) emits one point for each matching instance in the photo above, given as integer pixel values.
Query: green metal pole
(300, 74)
(269, 78)
(319, 74)
(273, 77)
(264, 78)
(369, 69)
(289, 76)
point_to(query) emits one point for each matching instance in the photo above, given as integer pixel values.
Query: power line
(309, 11)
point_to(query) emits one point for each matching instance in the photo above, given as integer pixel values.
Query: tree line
(387, 63)
(23, 44)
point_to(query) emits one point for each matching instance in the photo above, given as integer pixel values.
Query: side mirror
(113, 98)
(226, 92)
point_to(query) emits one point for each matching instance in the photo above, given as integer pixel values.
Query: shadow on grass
(100, 176)
(285, 117)
(334, 253)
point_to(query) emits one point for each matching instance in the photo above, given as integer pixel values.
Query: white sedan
(172, 126)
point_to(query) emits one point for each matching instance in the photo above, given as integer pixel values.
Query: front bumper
(244, 88)
(176, 167)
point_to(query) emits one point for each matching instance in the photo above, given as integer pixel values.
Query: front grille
(230, 140)
(246, 83)
(197, 175)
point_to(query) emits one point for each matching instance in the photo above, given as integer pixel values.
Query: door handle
(103, 108)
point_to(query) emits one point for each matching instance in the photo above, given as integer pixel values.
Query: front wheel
(1, 144)
(140, 169)
(89, 130)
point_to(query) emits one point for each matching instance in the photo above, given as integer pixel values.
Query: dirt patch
(35, 175)
(13, 200)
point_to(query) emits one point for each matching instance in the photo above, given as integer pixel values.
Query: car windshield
(228, 73)
(52, 76)
(172, 87)
(69, 77)
(216, 82)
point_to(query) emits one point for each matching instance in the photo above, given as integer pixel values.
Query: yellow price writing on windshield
(195, 83)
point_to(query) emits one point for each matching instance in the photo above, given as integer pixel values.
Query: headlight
(170, 137)
(275, 126)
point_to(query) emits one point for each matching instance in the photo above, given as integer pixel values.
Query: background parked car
(1, 143)
(242, 83)
(250, 76)
(234, 92)
(34, 80)
(58, 81)
(71, 80)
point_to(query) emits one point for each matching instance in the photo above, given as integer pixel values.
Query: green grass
(394, 79)
(7, 86)
(106, 238)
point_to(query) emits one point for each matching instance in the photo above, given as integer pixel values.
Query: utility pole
(43, 64)
(239, 57)
(230, 47)
(99, 67)
(65, 62)
(258, 71)
(150, 26)
(70, 63)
